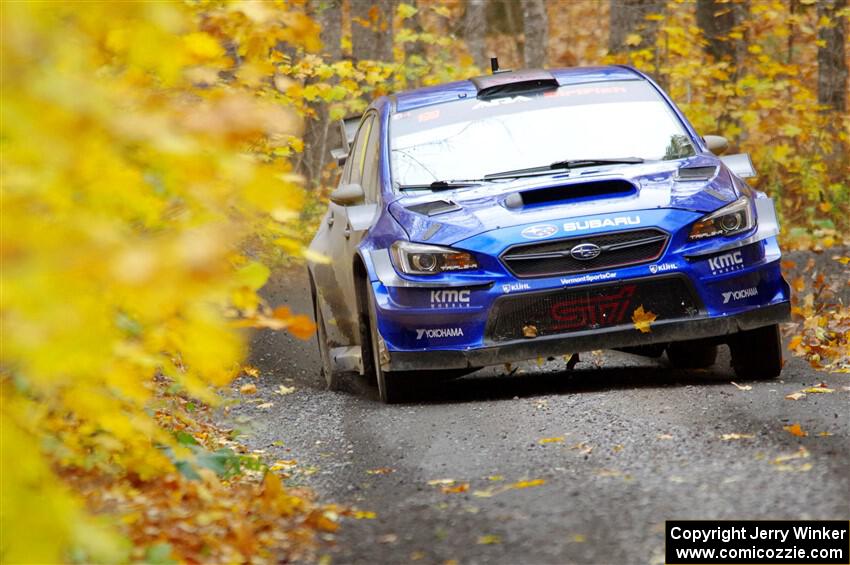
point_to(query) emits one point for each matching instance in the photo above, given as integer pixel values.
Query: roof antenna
(494, 65)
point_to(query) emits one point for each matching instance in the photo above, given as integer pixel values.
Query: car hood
(699, 184)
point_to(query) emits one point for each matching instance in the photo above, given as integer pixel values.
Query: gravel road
(633, 443)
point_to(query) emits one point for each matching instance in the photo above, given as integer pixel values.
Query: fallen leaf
(727, 437)
(528, 484)
(742, 387)
(284, 390)
(249, 388)
(818, 390)
(435, 482)
(460, 487)
(583, 447)
(545, 440)
(495, 478)
(283, 464)
(664, 436)
(388, 538)
(485, 493)
(579, 538)
(801, 453)
(642, 319)
(364, 515)
(825, 434)
(380, 471)
(529, 331)
(795, 430)
(265, 405)
(251, 371)
(489, 539)
(795, 396)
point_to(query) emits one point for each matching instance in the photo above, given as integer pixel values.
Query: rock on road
(641, 443)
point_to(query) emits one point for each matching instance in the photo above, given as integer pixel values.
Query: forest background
(158, 159)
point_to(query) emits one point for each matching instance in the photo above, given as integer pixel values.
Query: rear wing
(347, 131)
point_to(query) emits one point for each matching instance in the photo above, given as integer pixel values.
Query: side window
(372, 163)
(354, 163)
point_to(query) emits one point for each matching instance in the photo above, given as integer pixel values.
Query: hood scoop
(434, 207)
(694, 174)
(611, 188)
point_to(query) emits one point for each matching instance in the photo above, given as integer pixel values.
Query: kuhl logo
(726, 263)
(439, 332)
(739, 294)
(513, 287)
(539, 231)
(662, 268)
(446, 298)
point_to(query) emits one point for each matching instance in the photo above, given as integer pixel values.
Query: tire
(332, 378)
(757, 354)
(696, 354)
(391, 386)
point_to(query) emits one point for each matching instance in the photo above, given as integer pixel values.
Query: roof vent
(510, 83)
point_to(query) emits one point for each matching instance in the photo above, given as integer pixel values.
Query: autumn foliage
(149, 159)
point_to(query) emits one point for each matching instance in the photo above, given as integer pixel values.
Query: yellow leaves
(528, 484)
(380, 471)
(742, 387)
(795, 430)
(454, 489)
(545, 440)
(642, 319)
(405, 11)
(795, 396)
(633, 40)
(202, 47)
(364, 515)
(283, 390)
(248, 388)
(734, 436)
(489, 539)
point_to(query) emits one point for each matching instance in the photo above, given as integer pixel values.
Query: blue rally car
(541, 212)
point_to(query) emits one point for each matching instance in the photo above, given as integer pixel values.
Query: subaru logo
(538, 232)
(585, 251)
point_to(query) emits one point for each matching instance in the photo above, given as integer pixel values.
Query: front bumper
(613, 338)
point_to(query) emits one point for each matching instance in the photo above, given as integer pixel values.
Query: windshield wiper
(438, 185)
(560, 165)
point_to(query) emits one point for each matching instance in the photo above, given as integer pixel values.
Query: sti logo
(449, 298)
(726, 263)
(539, 232)
(606, 223)
(438, 332)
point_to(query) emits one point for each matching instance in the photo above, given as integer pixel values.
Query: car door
(350, 224)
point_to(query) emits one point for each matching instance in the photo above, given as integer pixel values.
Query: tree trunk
(629, 17)
(535, 25)
(716, 20)
(319, 136)
(832, 57)
(475, 32)
(372, 29)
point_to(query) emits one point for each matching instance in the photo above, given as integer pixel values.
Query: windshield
(470, 138)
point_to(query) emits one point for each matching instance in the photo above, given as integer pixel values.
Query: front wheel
(391, 386)
(757, 354)
(332, 377)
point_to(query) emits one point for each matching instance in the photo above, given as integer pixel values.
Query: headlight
(729, 220)
(418, 259)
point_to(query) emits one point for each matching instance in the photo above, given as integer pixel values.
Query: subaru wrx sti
(536, 213)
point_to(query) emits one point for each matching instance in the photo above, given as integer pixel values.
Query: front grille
(553, 258)
(599, 306)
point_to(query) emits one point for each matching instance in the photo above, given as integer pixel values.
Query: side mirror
(716, 144)
(348, 194)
